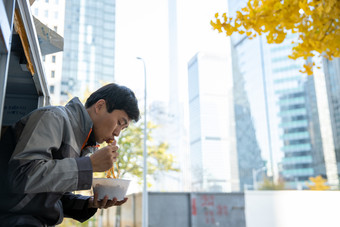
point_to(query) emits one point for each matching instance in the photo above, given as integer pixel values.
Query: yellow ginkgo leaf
(316, 23)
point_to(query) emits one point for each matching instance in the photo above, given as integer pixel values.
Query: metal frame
(7, 9)
(6, 26)
(39, 76)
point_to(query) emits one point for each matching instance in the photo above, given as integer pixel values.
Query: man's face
(107, 125)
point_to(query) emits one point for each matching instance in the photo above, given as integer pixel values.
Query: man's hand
(104, 203)
(104, 158)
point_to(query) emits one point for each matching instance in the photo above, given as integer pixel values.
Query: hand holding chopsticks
(104, 158)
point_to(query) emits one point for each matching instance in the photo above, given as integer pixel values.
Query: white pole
(255, 172)
(254, 180)
(145, 155)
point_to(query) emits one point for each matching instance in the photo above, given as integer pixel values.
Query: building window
(46, 1)
(43, 58)
(52, 89)
(55, 28)
(53, 58)
(36, 11)
(52, 74)
(55, 15)
(46, 13)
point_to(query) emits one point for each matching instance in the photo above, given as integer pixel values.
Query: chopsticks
(111, 172)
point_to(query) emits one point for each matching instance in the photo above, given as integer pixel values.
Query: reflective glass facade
(290, 90)
(248, 150)
(223, 145)
(287, 96)
(330, 123)
(332, 75)
(211, 139)
(303, 112)
(89, 46)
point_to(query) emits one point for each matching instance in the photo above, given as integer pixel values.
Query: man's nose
(117, 131)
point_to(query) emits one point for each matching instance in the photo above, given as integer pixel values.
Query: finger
(114, 145)
(90, 203)
(115, 148)
(121, 202)
(104, 201)
(95, 199)
(111, 203)
(115, 154)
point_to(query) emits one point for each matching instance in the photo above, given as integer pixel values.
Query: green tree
(131, 143)
(316, 22)
(269, 184)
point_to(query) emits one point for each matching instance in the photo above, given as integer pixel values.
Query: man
(53, 151)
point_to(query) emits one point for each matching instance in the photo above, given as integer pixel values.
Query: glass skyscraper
(248, 151)
(309, 113)
(212, 142)
(302, 112)
(89, 46)
(223, 147)
(332, 75)
(327, 89)
(249, 69)
(290, 91)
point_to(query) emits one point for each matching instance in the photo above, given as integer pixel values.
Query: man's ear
(100, 105)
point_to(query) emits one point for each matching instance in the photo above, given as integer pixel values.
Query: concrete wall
(251, 209)
(186, 210)
(217, 209)
(169, 209)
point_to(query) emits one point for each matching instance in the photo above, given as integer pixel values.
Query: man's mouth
(110, 141)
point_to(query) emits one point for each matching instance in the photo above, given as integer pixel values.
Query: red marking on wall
(193, 207)
(207, 200)
(222, 210)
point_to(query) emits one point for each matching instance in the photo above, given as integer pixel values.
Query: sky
(142, 30)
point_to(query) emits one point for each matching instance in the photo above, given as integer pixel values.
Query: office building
(51, 13)
(327, 110)
(89, 50)
(301, 112)
(291, 91)
(175, 121)
(250, 163)
(249, 64)
(212, 142)
(223, 145)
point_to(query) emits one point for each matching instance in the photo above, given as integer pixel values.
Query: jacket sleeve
(75, 206)
(32, 168)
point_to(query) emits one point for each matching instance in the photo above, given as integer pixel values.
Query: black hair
(117, 97)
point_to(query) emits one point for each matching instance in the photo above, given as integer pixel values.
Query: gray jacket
(47, 152)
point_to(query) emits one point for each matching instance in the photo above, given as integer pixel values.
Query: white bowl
(110, 187)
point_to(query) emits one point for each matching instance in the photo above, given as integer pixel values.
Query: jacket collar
(80, 120)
